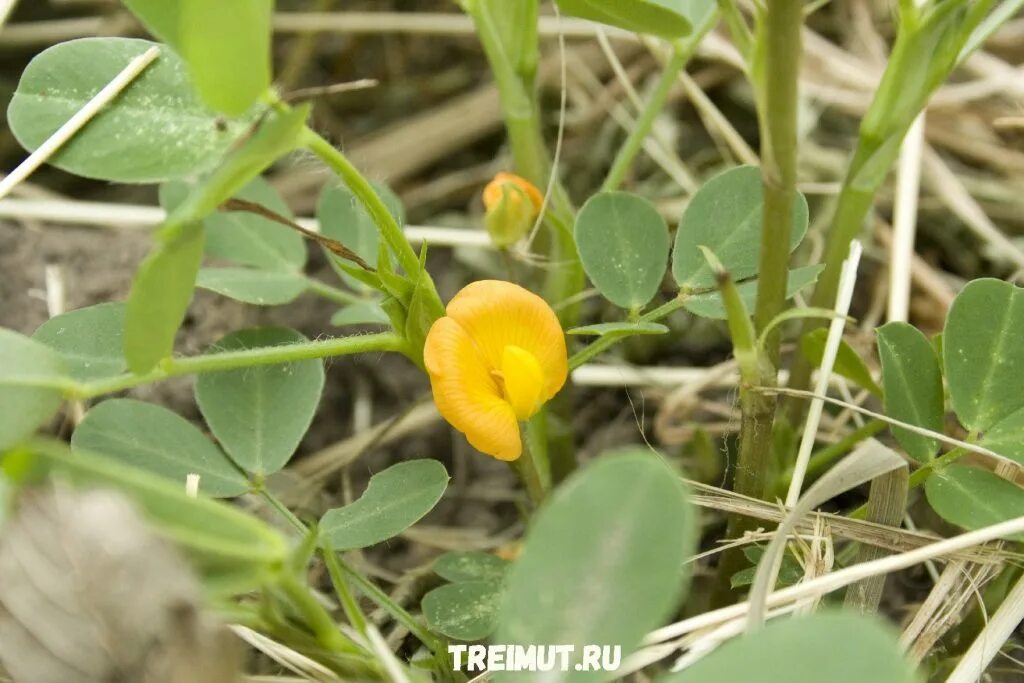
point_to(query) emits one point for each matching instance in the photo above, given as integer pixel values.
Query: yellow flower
(512, 205)
(496, 357)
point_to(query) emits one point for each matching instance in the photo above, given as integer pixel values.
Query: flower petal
(496, 314)
(524, 381)
(466, 392)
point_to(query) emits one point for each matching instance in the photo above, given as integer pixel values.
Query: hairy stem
(230, 360)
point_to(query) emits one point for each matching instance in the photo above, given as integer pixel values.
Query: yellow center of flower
(523, 381)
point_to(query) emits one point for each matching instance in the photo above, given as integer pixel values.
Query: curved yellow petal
(523, 380)
(467, 393)
(496, 314)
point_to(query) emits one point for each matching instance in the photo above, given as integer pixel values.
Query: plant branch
(229, 360)
(776, 74)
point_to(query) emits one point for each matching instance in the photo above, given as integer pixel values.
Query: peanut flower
(496, 357)
(512, 204)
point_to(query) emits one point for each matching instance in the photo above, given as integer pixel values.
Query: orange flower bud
(496, 357)
(512, 205)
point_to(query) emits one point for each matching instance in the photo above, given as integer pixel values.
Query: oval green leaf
(464, 611)
(973, 498)
(260, 414)
(343, 217)
(30, 375)
(623, 243)
(152, 438)
(604, 560)
(90, 339)
(834, 647)
(252, 286)
(662, 18)
(160, 296)
(709, 304)
(984, 358)
(624, 329)
(394, 500)
(470, 566)
(913, 386)
(1007, 437)
(157, 129)
(725, 216)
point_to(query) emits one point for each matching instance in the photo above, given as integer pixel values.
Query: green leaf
(709, 304)
(235, 551)
(227, 47)
(253, 240)
(157, 129)
(604, 560)
(465, 611)
(252, 286)
(394, 500)
(662, 18)
(162, 18)
(260, 414)
(361, 313)
(344, 218)
(984, 358)
(29, 376)
(725, 216)
(848, 363)
(470, 566)
(913, 386)
(159, 299)
(623, 243)
(1007, 436)
(90, 339)
(619, 328)
(827, 646)
(150, 437)
(973, 498)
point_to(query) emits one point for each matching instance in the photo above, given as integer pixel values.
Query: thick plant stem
(776, 75)
(230, 360)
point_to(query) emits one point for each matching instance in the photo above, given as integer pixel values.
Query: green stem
(229, 360)
(682, 50)
(776, 75)
(384, 601)
(283, 510)
(526, 468)
(316, 616)
(389, 228)
(602, 344)
(348, 601)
